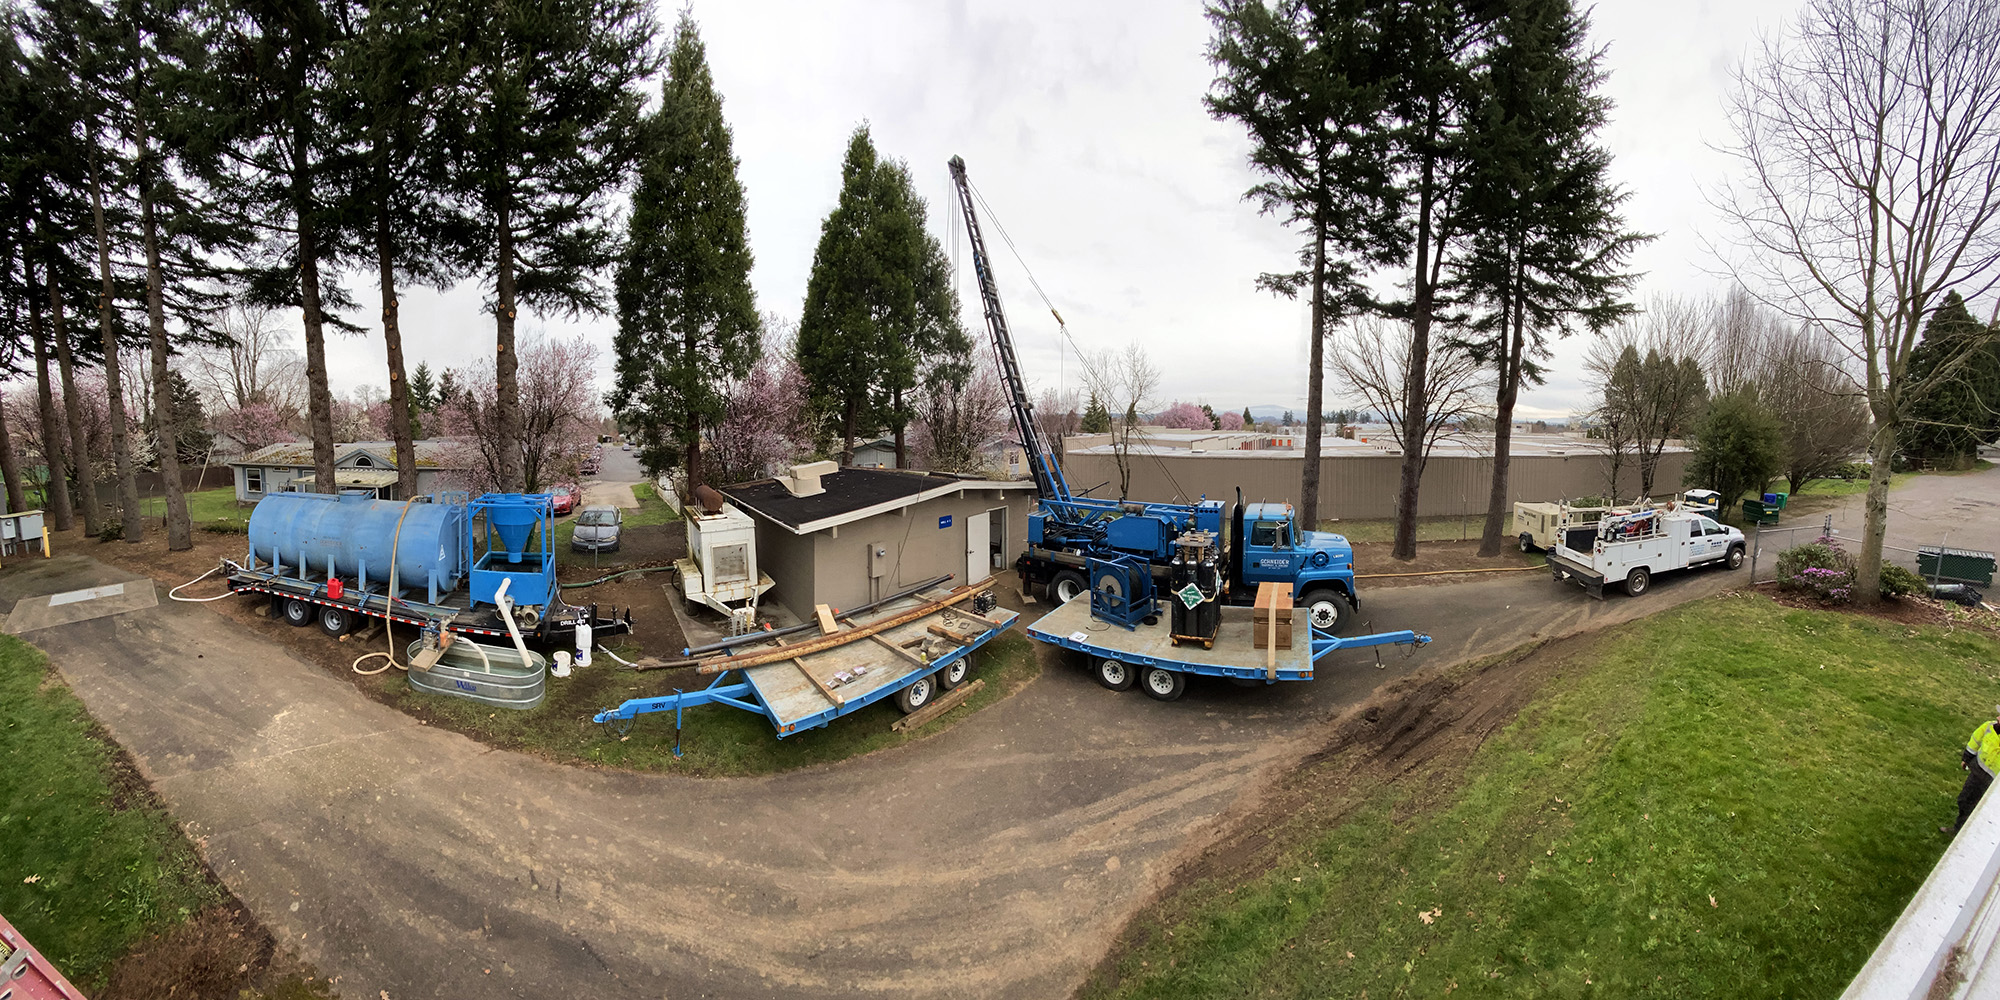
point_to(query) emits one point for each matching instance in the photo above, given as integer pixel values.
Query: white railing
(1943, 944)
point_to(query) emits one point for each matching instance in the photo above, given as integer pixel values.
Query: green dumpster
(1956, 565)
(1759, 512)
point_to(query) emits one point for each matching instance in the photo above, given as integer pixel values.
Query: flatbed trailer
(305, 602)
(1148, 656)
(908, 662)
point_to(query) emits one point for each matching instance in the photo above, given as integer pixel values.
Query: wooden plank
(950, 636)
(905, 654)
(825, 615)
(981, 619)
(950, 700)
(838, 638)
(823, 687)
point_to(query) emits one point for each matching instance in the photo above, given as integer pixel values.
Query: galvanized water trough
(500, 679)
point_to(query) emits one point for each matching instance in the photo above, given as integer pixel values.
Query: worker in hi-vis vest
(1981, 760)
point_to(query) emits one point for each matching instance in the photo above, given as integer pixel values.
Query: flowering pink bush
(1231, 421)
(765, 427)
(1186, 416)
(1819, 568)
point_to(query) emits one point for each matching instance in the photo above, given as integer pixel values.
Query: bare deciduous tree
(1869, 142)
(1652, 388)
(1370, 359)
(955, 421)
(1058, 413)
(256, 366)
(1126, 382)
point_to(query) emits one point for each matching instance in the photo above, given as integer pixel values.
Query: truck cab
(1266, 545)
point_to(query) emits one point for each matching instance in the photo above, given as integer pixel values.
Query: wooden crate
(1271, 618)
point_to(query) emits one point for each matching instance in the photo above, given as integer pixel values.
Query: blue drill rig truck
(1073, 538)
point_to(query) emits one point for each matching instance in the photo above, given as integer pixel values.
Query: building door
(997, 534)
(978, 548)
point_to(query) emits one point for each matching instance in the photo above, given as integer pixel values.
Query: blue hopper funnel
(514, 518)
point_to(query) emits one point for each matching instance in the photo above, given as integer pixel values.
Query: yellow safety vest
(1985, 746)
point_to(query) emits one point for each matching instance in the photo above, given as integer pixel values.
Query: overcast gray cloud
(1082, 125)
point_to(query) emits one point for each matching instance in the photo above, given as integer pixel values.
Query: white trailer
(1540, 524)
(1632, 547)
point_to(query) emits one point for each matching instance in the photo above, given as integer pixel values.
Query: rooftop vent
(804, 480)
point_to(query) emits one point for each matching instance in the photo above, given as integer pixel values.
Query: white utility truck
(1634, 546)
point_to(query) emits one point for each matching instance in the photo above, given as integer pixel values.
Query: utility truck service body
(1633, 546)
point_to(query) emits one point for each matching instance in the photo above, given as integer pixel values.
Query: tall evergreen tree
(1306, 79)
(274, 108)
(1096, 418)
(1958, 364)
(687, 319)
(879, 313)
(394, 74)
(180, 228)
(544, 127)
(1546, 239)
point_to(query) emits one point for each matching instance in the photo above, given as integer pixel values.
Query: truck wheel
(335, 621)
(954, 674)
(1115, 674)
(916, 695)
(298, 614)
(1735, 557)
(1637, 581)
(1527, 542)
(1326, 610)
(1066, 585)
(1162, 684)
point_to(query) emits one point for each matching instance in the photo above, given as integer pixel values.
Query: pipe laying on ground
(757, 637)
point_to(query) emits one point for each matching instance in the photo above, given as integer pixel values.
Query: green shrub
(225, 528)
(1850, 470)
(111, 532)
(1900, 582)
(1819, 568)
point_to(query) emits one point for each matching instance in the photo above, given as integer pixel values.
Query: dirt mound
(221, 952)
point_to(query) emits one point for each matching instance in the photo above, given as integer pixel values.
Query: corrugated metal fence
(1363, 487)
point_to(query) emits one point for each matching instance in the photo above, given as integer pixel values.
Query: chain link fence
(1767, 541)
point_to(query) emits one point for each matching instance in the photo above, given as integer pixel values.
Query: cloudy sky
(1081, 124)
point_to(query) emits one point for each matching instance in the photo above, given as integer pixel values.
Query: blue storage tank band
(316, 534)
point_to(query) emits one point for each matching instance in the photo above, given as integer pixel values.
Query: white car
(1632, 547)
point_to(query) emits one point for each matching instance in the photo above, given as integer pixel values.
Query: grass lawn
(1429, 529)
(1730, 799)
(87, 868)
(716, 740)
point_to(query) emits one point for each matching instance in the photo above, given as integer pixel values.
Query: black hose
(755, 637)
(614, 576)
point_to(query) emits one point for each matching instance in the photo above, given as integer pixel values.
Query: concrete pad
(70, 606)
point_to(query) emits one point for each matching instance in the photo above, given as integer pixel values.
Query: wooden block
(900, 652)
(426, 658)
(1274, 596)
(826, 622)
(950, 700)
(981, 619)
(950, 636)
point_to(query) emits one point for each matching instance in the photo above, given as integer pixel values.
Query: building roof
(376, 478)
(852, 494)
(299, 454)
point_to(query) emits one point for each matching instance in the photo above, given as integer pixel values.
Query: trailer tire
(916, 695)
(1735, 559)
(1161, 684)
(297, 613)
(335, 622)
(954, 673)
(1115, 675)
(1527, 542)
(1326, 610)
(1637, 581)
(1066, 585)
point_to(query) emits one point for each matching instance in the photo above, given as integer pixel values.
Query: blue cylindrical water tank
(357, 531)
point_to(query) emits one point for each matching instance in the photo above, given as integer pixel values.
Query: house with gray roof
(366, 467)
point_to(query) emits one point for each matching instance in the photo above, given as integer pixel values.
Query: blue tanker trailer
(438, 563)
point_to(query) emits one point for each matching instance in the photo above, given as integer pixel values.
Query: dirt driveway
(998, 859)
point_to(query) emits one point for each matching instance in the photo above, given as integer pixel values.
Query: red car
(567, 496)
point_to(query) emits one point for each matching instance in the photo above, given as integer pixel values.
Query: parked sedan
(597, 530)
(567, 496)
